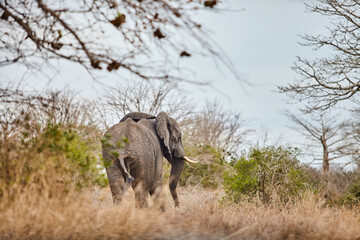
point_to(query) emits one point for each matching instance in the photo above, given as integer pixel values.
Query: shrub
(355, 190)
(270, 173)
(50, 160)
(208, 172)
(350, 194)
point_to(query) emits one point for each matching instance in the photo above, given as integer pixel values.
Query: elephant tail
(128, 178)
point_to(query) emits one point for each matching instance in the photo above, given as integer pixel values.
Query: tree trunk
(326, 161)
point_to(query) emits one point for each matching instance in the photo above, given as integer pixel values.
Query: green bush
(272, 173)
(351, 194)
(355, 190)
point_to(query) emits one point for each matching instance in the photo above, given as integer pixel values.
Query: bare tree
(211, 125)
(147, 97)
(218, 127)
(145, 38)
(328, 133)
(57, 107)
(326, 81)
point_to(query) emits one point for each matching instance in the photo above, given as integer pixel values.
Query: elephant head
(169, 132)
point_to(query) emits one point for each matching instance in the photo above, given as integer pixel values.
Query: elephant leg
(117, 183)
(141, 198)
(158, 197)
(141, 194)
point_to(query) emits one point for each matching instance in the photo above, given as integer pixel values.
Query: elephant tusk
(189, 160)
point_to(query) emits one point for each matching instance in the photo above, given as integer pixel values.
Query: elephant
(133, 152)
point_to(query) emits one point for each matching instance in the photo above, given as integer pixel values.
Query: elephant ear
(162, 130)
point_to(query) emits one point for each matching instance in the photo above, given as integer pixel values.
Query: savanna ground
(202, 215)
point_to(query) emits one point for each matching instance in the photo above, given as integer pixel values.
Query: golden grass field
(202, 215)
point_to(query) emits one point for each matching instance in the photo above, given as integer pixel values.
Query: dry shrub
(53, 162)
(91, 215)
(216, 126)
(304, 218)
(76, 217)
(44, 148)
(340, 187)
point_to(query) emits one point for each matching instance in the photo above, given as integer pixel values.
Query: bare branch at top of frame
(148, 39)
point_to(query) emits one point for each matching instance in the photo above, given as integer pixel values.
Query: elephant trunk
(176, 169)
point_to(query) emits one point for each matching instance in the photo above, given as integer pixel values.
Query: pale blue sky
(262, 42)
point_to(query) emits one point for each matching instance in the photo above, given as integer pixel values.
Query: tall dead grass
(91, 215)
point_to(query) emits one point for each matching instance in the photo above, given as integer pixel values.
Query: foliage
(352, 196)
(208, 172)
(350, 191)
(56, 159)
(355, 190)
(272, 173)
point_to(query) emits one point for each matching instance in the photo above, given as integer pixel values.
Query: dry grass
(90, 215)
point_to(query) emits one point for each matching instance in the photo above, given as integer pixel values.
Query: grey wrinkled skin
(139, 162)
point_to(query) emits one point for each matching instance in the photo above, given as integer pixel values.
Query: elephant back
(136, 116)
(140, 139)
